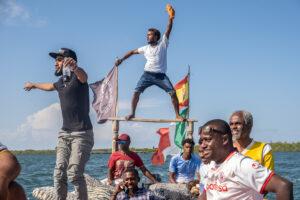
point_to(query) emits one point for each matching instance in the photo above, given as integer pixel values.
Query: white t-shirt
(156, 56)
(237, 178)
(203, 171)
(2, 147)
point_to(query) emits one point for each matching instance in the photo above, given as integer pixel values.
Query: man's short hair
(189, 141)
(247, 116)
(132, 170)
(223, 127)
(156, 32)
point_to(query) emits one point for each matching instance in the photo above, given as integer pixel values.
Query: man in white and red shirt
(234, 176)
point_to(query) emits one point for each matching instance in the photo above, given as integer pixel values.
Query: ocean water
(37, 170)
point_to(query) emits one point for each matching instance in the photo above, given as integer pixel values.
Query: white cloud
(12, 13)
(40, 129)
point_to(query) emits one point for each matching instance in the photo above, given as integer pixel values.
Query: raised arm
(127, 55)
(282, 187)
(79, 72)
(171, 13)
(42, 86)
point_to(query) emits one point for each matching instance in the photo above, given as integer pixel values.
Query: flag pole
(116, 122)
(190, 125)
(117, 89)
(189, 91)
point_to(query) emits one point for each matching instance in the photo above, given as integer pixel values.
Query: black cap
(64, 52)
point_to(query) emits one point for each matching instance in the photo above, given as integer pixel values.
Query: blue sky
(243, 55)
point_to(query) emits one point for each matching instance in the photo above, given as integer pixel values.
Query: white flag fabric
(105, 96)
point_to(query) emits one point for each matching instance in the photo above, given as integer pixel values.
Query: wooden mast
(115, 123)
(190, 124)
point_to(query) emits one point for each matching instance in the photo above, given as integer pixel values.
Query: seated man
(241, 123)
(235, 176)
(129, 190)
(9, 170)
(121, 160)
(184, 166)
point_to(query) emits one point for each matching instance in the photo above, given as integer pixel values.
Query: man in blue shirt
(185, 165)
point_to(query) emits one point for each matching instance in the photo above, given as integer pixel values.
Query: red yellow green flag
(182, 92)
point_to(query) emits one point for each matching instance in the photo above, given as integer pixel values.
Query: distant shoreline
(276, 147)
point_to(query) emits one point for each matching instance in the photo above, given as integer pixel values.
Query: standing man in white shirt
(156, 66)
(235, 176)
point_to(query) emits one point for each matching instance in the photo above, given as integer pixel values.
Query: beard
(152, 42)
(236, 137)
(58, 72)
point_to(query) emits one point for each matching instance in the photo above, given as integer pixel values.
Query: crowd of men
(230, 164)
(224, 169)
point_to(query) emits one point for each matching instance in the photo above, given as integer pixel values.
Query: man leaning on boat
(124, 159)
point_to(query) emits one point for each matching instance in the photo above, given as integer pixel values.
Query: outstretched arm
(42, 86)
(127, 55)
(171, 13)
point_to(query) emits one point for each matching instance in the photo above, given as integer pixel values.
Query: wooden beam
(149, 120)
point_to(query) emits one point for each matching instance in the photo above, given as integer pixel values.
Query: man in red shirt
(123, 159)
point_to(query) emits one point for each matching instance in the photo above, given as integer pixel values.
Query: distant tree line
(276, 147)
(285, 147)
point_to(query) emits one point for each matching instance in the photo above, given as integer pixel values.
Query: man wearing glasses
(234, 176)
(76, 138)
(124, 159)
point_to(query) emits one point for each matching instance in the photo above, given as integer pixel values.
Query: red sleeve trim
(230, 155)
(262, 190)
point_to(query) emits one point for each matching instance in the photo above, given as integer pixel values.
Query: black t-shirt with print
(74, 102)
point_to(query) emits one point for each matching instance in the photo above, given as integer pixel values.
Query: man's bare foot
(128, 117)
(178, 117)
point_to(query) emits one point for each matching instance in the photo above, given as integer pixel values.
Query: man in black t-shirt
(75, 140)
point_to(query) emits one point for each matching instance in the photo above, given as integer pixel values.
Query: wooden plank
(149, 120)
